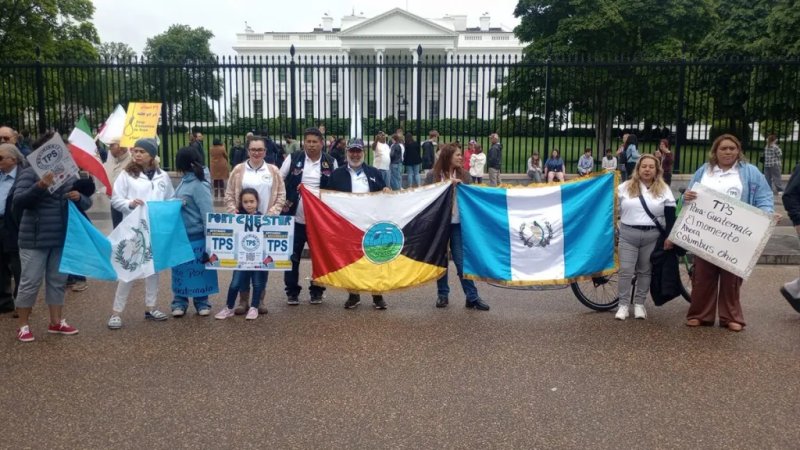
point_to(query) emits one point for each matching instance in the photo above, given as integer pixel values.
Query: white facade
(383, 90)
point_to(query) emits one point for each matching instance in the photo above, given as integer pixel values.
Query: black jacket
(428, 155)
(341, 181)
(412, 155)
(295, 177)
(494, 159)
(791, 197)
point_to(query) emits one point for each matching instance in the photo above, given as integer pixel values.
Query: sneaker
(178, 312)
(155, 315)
(80, 286)
(316, 299)
(441, 302)
(252, 314)
(379, 302)
(352, 301)
(62, 328)
(24, 334)
(639, 312)
(292, 300)
(224, 313)
(204, 312)
(115, 322)
(622, 313)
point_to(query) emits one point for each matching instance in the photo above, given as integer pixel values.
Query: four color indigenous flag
(381, 241)
(540, 235)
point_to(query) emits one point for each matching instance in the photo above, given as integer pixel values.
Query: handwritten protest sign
(191, 279)
(723, 230)
(141, 121)
(54, 157)
(249, 242)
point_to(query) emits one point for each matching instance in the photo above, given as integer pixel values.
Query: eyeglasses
(5, 138)
(258, 150)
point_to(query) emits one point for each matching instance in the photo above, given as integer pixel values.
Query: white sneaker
(639, 312)
(178, 312)
(115, 322)
(252, 314)
(622, 313)
(204, 312)
(224, 313)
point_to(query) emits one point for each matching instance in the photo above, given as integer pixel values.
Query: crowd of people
(264, 178)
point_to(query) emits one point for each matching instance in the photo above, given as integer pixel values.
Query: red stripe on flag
(333, 241)
(90, 164)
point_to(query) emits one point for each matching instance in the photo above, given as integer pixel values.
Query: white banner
(54, 157)
(723, 230)
(249, 242)
(131, 246)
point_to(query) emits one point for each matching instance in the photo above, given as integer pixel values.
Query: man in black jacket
(359, 178)
(494, 159)
(791, 201)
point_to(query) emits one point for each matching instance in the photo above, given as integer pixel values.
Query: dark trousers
(9, 268)
(292, 277)
(116, 217)
(715, 288)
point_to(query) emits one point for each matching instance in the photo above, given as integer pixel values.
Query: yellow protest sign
(141, 121)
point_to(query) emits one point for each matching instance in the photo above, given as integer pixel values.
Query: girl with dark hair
(248, 204)
(450, 167)
(195, 193)
(631, 153)
(667, 160)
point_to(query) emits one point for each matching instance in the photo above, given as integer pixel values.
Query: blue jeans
(386, 175)
(457, 253)
(396, 178)
(413, 175)
(241, 279)
(180, 302)
(291, 278)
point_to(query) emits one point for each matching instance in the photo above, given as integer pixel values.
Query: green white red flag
(84, 152)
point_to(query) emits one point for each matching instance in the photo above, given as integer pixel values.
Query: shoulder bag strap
(652, 217)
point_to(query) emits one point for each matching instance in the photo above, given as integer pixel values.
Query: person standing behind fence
(791, 201)
(477, 164)
(629, 153)
(337, 151)
(220, 171)
(396, 158)
(495, 159)
(667, 160)
(639, 230)
(292, 145)
(118, 160)
(412, 158)
(429, 151)
(142, 181)
(772, 164)
(382, 157)
(714, 288)
(42, 231)
(468, 153)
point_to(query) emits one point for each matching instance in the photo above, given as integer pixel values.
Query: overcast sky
(133, 22)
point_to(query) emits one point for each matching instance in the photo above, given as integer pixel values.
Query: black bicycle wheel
(598, 293)
(686, 267)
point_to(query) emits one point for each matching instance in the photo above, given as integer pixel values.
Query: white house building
(372, 63)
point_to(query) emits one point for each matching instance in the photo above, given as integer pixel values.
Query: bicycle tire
(598, 293)
(686, 270)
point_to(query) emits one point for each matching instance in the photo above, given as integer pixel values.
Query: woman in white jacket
(141, 181)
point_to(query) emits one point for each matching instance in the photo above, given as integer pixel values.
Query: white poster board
(54, 157)
(723, 230)
(249, 242)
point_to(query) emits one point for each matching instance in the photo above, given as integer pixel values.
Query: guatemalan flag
(539, 235)
(150, 239)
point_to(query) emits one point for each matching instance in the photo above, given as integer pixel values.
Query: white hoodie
(127, 188)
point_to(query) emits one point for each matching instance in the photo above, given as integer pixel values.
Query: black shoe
(379, 302)
(441, 302)
(794, 302)
(292, 300)
(352, 301)
(477, 304)
(316, 298)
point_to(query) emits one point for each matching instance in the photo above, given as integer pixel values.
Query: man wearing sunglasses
(8, 136)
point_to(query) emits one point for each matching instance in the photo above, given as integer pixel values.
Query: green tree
(646, 29)
(116, 52)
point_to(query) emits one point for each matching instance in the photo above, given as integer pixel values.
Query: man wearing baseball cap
(358, 177)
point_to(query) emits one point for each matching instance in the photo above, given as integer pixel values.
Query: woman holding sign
(141, 181)
(714, 288)
(647, 211)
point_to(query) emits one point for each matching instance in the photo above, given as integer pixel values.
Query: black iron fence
(535, 106)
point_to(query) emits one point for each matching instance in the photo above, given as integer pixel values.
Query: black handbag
(665, 272)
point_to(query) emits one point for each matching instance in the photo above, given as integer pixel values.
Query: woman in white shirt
(382, 157)
(476, 164)
(638, 232)
(713, 288)
(609, 162)
(142, 181)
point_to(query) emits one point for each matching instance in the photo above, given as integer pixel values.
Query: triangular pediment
(397, 22)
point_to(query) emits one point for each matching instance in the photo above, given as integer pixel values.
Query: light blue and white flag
(151, 238)
(539, 235)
